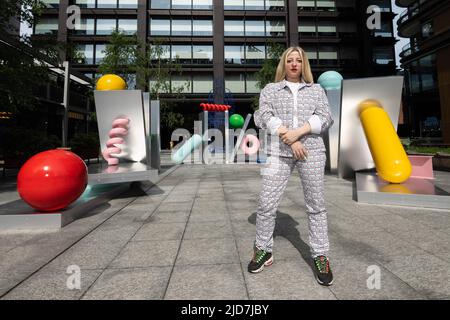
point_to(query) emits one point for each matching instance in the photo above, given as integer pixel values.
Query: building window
(326, 29)
(326, 5)
(254, 28)
(181, 83)
(85, 3)
(202, 54)
(328, 55)
(234, 28)
(159, 27)
(254, 4)
(307, 28)
(383, 55)
(84, 54)
(235, 82)
(311, 54)
(181, 27)
(182, 53)
(160, 52)
(251, 83)
(385, 31)
(275, 28)
(47, 26)
(160, 4)
(86, 27)
(275, 5)
(233, 4)
(427, 29)
(105, 26)
(51, 3)
(106, 4)
(100, 52)
(128, 26)
(128, 4)
(202, 28)
(316, 5)
(308, 5)
(202, 5)
(255, 54)
(202, 83)
(181, 4)
(234, 54)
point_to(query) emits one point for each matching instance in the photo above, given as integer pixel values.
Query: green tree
(20, 72)
(128, 57)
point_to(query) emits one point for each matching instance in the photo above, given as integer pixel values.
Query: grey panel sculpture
(354, 153)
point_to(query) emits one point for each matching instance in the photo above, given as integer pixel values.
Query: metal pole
(65, 120)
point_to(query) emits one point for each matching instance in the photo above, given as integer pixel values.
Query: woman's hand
(299, 151)
(290, 136)
(282, 130)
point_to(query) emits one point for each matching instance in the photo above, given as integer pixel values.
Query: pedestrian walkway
(191, 236)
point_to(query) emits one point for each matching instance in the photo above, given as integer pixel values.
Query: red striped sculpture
(214, 107)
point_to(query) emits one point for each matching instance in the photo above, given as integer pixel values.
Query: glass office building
(221, 44)
(427, 65)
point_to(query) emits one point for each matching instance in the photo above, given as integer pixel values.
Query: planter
(441, 161)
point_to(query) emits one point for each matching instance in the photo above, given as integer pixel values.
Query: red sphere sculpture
(51, 180)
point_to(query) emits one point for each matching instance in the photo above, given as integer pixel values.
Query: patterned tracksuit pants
(275, 175)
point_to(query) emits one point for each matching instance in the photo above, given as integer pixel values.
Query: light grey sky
(403, 41)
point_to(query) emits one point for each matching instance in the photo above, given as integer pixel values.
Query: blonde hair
(306, 68)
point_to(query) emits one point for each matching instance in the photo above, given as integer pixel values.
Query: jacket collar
(283, 84)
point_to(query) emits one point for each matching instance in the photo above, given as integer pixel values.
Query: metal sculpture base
(101, 173)
(414, 192)
(104, 183)
(16, 216)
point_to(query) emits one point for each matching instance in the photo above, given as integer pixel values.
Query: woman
(295, 111)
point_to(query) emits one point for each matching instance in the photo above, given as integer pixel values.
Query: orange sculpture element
(111, 82)
(390, 158)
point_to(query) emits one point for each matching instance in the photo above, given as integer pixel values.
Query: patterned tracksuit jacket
(277, 102)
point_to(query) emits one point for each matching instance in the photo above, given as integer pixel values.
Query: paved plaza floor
(190, 236)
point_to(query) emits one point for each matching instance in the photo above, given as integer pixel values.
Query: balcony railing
(409, 49)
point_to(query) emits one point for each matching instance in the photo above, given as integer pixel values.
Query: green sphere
(236, 121)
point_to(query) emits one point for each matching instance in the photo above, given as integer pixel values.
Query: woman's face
(293, 66)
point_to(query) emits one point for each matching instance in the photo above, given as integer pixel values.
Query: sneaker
(260, 259)
(323, 273)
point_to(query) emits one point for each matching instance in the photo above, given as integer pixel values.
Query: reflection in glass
(202, 83)
(234, 54)
(128, 26)
(235, 82)
(202, 54)
(181, 27)
(105, 26)
(234, 28)
(159, 27)
(86, 27)
(202, 28)
(254, 28)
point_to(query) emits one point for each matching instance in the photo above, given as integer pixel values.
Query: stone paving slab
(207, 282)
(191, 237)
(130, 284)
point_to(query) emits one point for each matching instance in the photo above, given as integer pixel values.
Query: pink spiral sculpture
(253, 140)
(116, 134)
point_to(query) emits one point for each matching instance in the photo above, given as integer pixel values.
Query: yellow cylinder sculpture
(390, 158)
